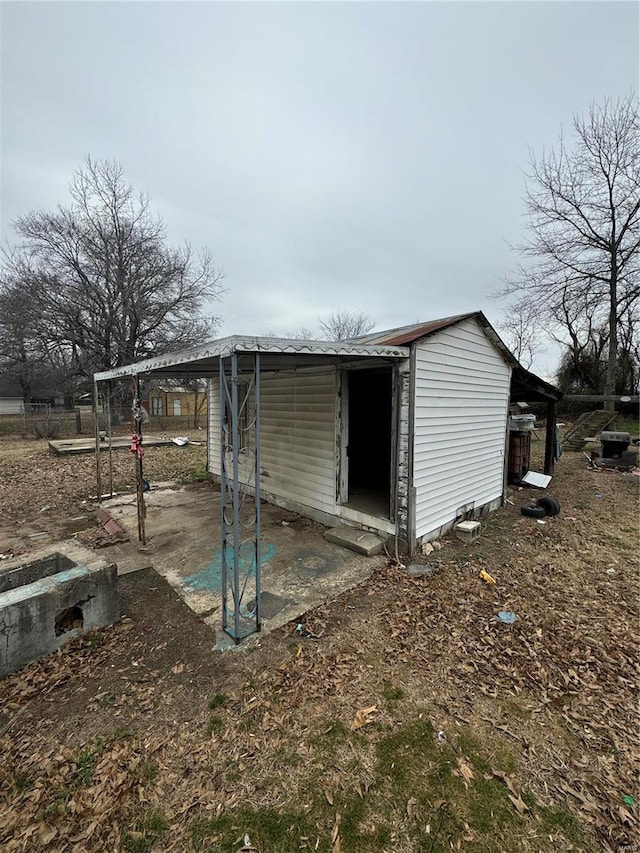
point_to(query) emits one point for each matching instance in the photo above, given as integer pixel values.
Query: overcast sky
(362, 156)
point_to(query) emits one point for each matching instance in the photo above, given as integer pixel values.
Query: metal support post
(96, 417)
(550, 438)
(108, 400)
(138, 451)
(240, 527)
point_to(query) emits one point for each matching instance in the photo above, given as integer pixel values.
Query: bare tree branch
(344, 325)
(581, 261)
(103, 286)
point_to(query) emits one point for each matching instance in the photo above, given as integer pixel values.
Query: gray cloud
(360, 156)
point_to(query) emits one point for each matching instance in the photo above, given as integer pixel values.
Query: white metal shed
(401, 432)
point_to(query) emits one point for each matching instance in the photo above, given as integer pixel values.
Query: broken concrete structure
(50, 597)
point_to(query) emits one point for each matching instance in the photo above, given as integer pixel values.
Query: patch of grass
(196, 474)
(392, 694)
(269, 830)
(331, 736)
(86, 762)
(95, 639)
(414, 767)
(107, 699)
(514, 708)
(148, 828)
(122, 733)
(23, 781)
(148, 771)
(218, 701)
(214, 725)
(556, 821)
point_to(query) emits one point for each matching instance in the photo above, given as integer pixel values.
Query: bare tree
(521, 326)
(344, 325)
(21, 355)
(103, 283)
(583, 209)
(301, 334)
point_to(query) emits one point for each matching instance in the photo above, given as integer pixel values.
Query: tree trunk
(610, 381)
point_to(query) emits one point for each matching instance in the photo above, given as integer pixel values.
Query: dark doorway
(369, 441)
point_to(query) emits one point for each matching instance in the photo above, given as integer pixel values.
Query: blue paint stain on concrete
(210, 578)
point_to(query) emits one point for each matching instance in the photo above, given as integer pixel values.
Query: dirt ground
(404, 717)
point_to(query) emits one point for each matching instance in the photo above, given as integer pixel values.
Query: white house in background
(11, 405)
(401, 432)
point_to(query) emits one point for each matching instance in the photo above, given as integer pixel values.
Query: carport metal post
(138, 452)
(96, 418)
(109, 435)
(245, 561)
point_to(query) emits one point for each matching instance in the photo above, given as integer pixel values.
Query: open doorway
(369, 419)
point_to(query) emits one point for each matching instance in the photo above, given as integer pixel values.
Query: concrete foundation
(50, 597)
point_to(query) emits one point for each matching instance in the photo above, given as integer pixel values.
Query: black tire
(550, 505)
(532, 512)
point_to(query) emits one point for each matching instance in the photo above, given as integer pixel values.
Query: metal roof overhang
(275, 354)
(526, 387)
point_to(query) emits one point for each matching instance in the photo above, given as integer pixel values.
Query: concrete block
(50, 597)
(467, 531)
(355, 539)
(418, 570)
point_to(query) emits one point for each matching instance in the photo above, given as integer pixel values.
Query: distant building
(176, 402)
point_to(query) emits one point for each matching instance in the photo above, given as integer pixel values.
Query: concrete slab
(71, 446)
(300, 568)
(360, 541)
(270, 604)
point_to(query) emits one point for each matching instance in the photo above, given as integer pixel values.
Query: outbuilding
(400, 432)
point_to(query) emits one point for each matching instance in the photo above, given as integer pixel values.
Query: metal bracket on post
(239, 483)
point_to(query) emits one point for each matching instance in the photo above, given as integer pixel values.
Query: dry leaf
(363, 717)
(336, 844)
(329, 796)
(465, 770)
(519, 803)
(487, 577)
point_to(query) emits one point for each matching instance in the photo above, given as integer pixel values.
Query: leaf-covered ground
(411, 720)
(42, 492)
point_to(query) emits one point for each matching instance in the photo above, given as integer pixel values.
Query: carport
(236, 365)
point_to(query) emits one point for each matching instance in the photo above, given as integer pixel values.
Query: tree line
(94, 285)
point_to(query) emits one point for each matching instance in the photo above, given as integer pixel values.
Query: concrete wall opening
(369, 433)
(69, 619)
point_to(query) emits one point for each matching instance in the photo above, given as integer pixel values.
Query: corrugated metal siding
(297, 436)
(461, 401)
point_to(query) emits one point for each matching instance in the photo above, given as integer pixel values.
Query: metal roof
(408, 334)
(277, 354)
(290, 354)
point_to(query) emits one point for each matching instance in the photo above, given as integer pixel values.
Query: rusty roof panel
(406, 335)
